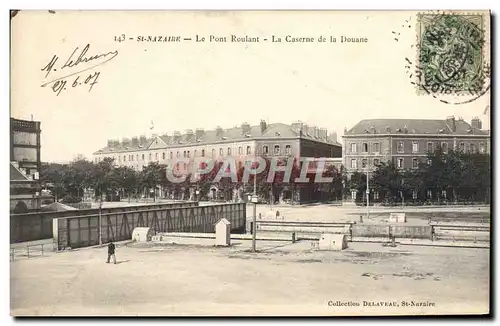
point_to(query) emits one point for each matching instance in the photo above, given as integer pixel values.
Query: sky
(191, 84)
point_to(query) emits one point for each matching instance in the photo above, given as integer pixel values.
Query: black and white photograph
(250, 163)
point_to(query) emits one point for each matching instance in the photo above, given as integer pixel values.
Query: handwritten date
(61, 85)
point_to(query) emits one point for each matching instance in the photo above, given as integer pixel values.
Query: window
(124, 158)
(213, 152)
(221, 152)
(276, 149)
(229, 151)
(376, 161)
(365, 147)
(354, 163)
(430, 147)
(150, 156)
(414, 163)
(184, 166)
(143, 157)
(249, 150)
(288, 150)
(375, 195)
(462, 147)
(188, 154)
(265, 149)
(482, 148)
(195, 153)
(364, 163)
(414, 147)
(472, 147)
(178, 154)
(429, 193)
(137, 157)
(443, 193)
(202, 153)
(132, 157)
(240, 150)
(414, 195)
(184, 154)
(401, 163)
(444, 146)
(376, 147)
(163, 156)
(401, 147)
(354, 147)
(429, 161)
(156, 156)
(119, 159)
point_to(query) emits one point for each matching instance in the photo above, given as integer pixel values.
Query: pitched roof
(413, 126)
(16, 174)
(273, 130)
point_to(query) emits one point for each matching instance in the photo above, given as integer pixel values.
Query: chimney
(310, 131)
(190, 135)
(305, 129)
(199, 133)
(316, 132)
(297, 126)
(263, 126)
(450, 121)
(333, 137)
(476, 123)
(245, 128)
(219, 131)
(142, 141)
(324, 134)
(177, 136)
(135, 141)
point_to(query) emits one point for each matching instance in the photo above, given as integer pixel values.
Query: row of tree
(443, 177)
(107, 179)
(452, 176)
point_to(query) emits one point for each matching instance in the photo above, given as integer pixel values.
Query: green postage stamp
(451, 53)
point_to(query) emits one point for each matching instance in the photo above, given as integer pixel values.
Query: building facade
(242, 143)
(406, 142)
(25, 147)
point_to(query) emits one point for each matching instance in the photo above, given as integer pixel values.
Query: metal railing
(31, 251)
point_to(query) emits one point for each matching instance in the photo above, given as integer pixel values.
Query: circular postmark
(451, 55)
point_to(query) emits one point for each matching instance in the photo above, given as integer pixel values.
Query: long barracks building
(245, 141)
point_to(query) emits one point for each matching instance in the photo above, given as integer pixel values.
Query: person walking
(111, 252)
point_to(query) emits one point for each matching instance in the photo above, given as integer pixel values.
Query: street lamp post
(254, 219)
(367, 193)
(100, 223)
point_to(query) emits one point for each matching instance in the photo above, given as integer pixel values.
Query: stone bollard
(293, 237)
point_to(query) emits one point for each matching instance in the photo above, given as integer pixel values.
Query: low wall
(83, 231)
(38, 226)
(412, 231)
(385, 231)
(370, 230)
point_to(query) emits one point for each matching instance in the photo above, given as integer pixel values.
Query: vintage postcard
(250, 163)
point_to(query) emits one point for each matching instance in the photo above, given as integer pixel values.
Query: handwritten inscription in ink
(79, 70)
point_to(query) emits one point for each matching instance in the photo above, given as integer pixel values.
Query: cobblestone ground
(196, 278)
